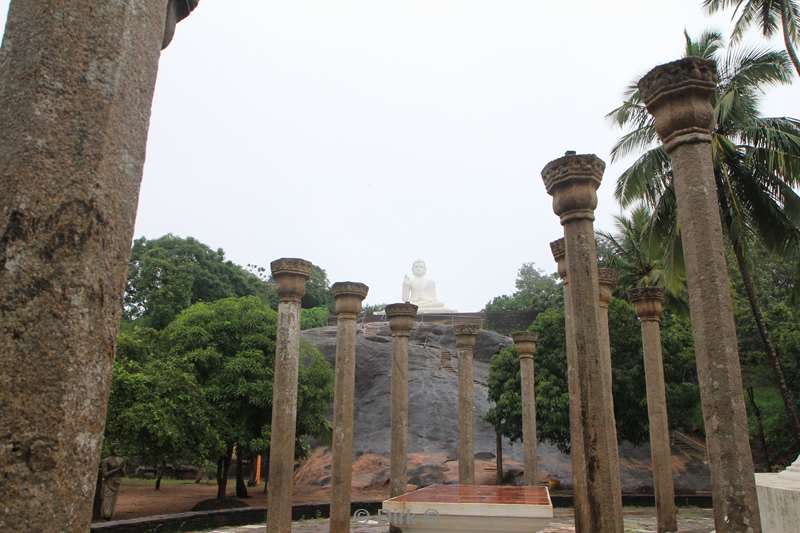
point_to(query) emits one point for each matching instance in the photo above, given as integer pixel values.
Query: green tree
(158, 414)
(167, 275)
(768, 16)
(643, 258)
(552, 390)
(230, 345)
(316, 317)
(535, 292)
(756, 166)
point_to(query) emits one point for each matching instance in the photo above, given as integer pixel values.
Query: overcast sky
(362, 135)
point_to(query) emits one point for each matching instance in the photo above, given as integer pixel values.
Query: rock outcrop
(433, 413)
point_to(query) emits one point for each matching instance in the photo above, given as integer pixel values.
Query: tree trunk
(760, 422)
(241, 487)
(772, 352)
(499, 457)
(787, 41)
(223, 468)
(159, 474)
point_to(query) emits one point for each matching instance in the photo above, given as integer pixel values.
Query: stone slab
(471, 508)
(779, 503)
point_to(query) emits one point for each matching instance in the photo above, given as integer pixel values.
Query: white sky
(362, 135)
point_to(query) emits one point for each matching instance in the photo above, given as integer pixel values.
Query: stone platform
(440, 508)
(637, 519)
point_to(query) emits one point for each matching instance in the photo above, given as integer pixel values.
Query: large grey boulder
(433, 407)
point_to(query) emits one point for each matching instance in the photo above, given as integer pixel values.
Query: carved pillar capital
(560, 255)
(648, 302)
(348, 296)
(401, 318)
(572, 181)
(678, 95)
(525, 343)
(607, 280)
(291, 275)
(466, 334)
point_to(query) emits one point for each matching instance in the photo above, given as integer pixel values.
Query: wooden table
(485, 508)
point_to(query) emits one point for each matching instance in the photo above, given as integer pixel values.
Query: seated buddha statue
(421, 291)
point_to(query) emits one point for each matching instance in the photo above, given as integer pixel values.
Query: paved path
(637, 520)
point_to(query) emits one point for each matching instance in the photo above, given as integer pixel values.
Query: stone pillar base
(778, 502)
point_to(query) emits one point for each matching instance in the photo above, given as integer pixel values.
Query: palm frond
(645, 179)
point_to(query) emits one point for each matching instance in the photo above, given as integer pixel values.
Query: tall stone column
(76, 87)
(401, 321)
(573, 181)
(648, 302)
(607, 281)
(291, 276)
(577, 455)
(465, 344)
(679, 97)
(525, 342)
(348, 297)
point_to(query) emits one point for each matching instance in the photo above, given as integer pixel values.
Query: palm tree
(756, 166)
(768, 15)
(642, 257)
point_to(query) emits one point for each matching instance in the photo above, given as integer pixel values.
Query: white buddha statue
(421, 291)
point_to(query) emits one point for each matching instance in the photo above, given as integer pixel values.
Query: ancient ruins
(64, 251)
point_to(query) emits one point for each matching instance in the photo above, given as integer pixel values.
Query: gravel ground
(637, 520)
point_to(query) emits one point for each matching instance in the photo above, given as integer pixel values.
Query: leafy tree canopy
(168, 274)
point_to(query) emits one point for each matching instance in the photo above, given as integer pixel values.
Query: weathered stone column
(648, 302)
(291, 276)
(607, 281)
(525, 342)
(572, 181)
(401, 321)
(76, 87)
(679, 97)
(465, 344)
(577, 455)
(348, 297)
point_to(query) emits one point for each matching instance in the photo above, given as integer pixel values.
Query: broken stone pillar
(76, 87)
(446, 360)
(573, 181)
(525, 343)
(348, 297)
(401, 322)
(607, 281)
(577, 455)
(648, 302)
(291, 276)
(465, 344)
(679, 96)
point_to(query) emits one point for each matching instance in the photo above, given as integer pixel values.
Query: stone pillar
(607, 281)
(76, 87)
(572, 181)
(465, 344)
(577, 455)
(348, 297)
(648, 303)
(678, 95)
(525, 342)
(291, 276)
(401, 321)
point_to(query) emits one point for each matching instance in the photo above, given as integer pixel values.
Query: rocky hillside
(433, 416)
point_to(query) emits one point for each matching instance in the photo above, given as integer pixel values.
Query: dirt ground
(137, 498)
